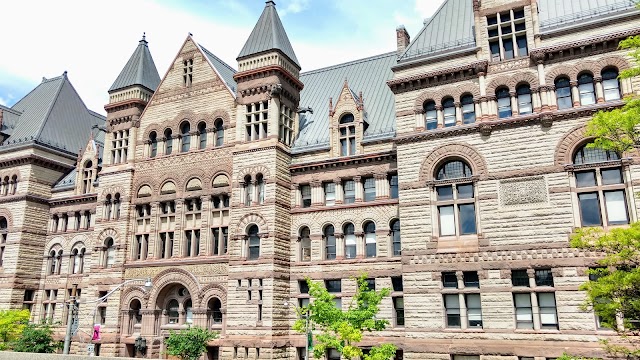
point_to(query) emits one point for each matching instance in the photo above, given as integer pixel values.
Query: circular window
(183, 292)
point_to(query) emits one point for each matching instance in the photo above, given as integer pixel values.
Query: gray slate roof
(139, 70)
(225, 71)
(9, 120)
(52, 114)
(451, 27)
(556, 13)
(368, 75)
(268, 34)
(69, 180)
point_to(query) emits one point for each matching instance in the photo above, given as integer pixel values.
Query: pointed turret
(139, 70)
(268, 35)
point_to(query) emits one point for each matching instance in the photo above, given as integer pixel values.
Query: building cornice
(78, 199)
(345, 161)
(250, 74)
(33, 159)
(438, 76)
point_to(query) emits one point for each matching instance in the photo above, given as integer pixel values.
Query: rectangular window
(548, 315)
(452, 309)
(616, 207)
(471, 279)
(449, 280)
(369, 185)
(398, 308)
(474, 310)
(396, 282)
(349, 187)
(303, 286)
(519, 278)
(431, 119)
(544, 277)
(329, 193)
(589, 209)
(447, 221)
(337, 302)
(504, 30)
(257, 116)
(333, 286)
(305, 191)
(333, 354)
(524, 314)
(350, 246)
(393, 186)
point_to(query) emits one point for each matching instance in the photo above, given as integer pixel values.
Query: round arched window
(453, 170)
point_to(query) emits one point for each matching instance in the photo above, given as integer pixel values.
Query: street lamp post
(72, 305)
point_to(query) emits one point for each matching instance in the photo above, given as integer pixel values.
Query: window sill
(536, 331)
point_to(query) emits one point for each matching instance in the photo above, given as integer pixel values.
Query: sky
(92, 40)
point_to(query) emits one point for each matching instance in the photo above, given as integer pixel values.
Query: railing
(586, 14)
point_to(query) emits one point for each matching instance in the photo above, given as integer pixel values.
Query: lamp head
(147, 284)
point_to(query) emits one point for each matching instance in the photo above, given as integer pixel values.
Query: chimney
(402, 38)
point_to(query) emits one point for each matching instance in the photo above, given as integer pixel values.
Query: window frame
(498, 37)
(457, 201)
(347, 135)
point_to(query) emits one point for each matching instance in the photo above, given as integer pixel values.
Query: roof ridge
(55, 100)
(348, 63)
(425, 27)
(214, 55)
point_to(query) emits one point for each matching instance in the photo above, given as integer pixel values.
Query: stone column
(297, 196)
(316, 193)
(382, 186)
(360, 246)
(458, 113)
(154, 228)
(178, 236)
(464, 321)
(535, 310)
(599, 89)
(254, 194)
(211, 139)
(339, 192)
(514, 103)
(477, 107)
(131, 142)
(440, 116)
(420, 121)
(359, 188)
(106, 151)
(205, 220)
(339, 245)
(535, 99)
(575, 94)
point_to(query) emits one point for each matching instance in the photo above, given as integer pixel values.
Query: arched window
(56, 223)
(202, 135)
(188, 309)
(65, 222)
(601, 189)
(611, 84)
(370, 239)
(468, 109)
(53, 262)
(58, 262)
(305, 244)
(260, 188)
(254, 242)
(455, 202)
(329, 242)
(349, 241)
(563, 93)
(185, 129)
(5, 186)
(135, 312)
(87, 177)
(219, 125)
(504, 102)
(168, 142)
(14, 184)
(347, 135)
(87, 219)
(173, 311)
(395, 238)
(107, 207)
(586, 89)
(214, 311)
(153, 144)
(109, 257)
(453, 170)
(75, 262)
(116, 206)
(4, 232)
(449, 112)
(248, 190)
(430, 115)
(524, 99)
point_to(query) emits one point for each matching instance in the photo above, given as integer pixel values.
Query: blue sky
(92, 40)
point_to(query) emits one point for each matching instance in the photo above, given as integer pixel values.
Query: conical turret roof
(139, 70)
(268, 34)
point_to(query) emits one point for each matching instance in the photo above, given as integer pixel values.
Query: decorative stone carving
(523, 191)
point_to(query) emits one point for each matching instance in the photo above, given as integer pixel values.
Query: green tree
(12, 322)
(36, 339)
(189, 344)
(614, 291)
(617, 129)
(343, 329)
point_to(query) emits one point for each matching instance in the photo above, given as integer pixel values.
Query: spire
(139, 70)
(268, 34)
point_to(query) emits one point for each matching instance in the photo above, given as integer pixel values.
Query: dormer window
(347, 135)
(507, 33)
(285, 131)
(187, 77)
(87, 177)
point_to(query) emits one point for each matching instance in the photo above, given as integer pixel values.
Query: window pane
(586, 178)
(524, 104)
(369, 189)
(393, 186)
(611, 89)
(471, 279)
(350, 246)
(349, 191)
(508, 48)
(589, 209)
(522, 45)
(504, 107)
(611, 176)
(519, 278)
(449, 280)
(431, 119)
(445, 192)
(329, 193)
(587, 96)
(447, 222)
(465, 191)
(467, 219)
(616, 207)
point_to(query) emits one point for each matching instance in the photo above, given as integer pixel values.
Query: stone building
(452, 170)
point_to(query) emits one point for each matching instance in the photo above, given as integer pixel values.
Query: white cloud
(294, 7)
(426, 8)
(4, 102)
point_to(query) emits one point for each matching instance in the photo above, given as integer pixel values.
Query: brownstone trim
(450, 152)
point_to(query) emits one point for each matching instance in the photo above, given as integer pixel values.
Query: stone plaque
(197, 270)
(523, 191)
